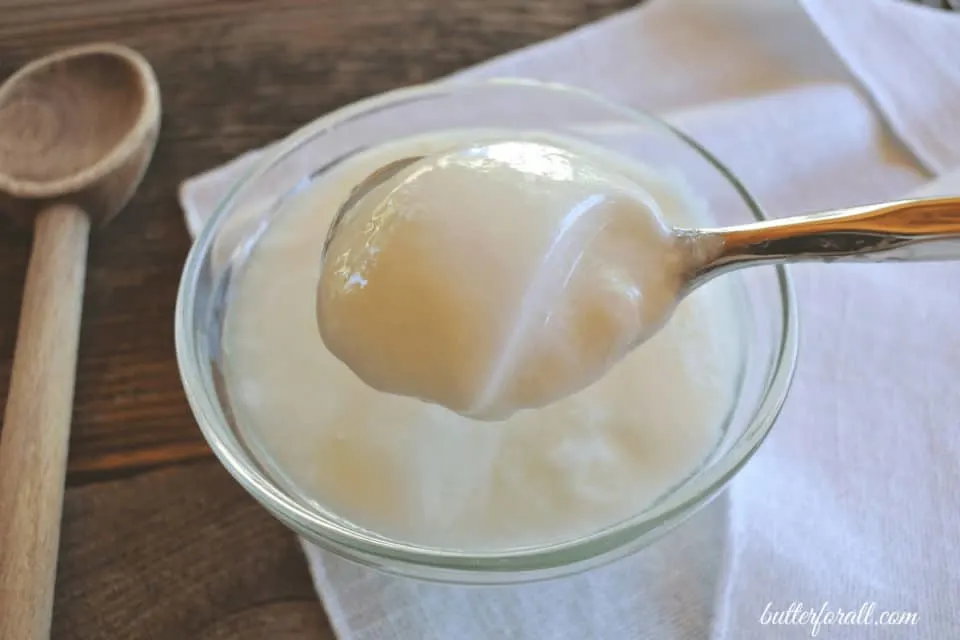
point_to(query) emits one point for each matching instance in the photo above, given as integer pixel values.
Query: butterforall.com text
(816, 618)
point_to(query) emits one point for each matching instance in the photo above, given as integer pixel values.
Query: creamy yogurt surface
(419, 472)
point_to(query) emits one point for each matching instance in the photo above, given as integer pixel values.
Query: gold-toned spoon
(77, 130)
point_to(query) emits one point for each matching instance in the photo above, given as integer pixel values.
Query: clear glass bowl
(519, 105)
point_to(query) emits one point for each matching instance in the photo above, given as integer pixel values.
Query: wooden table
(234, 74)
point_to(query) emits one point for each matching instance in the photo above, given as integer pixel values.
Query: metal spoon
(911, 230)
(918, 229)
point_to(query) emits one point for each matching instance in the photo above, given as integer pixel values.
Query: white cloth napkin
(854, 497)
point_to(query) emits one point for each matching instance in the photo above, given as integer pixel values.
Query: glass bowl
(505, 104)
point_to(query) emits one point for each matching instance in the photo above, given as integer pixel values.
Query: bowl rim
(374, 550)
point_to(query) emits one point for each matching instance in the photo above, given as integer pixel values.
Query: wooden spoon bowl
(78, 126)
(77, 130)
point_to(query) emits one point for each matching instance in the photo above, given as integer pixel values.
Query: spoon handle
(920, 229)
(36, 423)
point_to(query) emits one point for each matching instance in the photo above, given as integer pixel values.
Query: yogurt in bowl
(414, 487)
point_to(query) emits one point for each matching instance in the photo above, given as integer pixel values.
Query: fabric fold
(907, 57)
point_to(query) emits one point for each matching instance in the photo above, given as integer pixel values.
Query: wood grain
(180, 554)
(234, 74)
(33, 450)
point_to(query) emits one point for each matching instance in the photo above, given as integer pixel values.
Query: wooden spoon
(77, 130)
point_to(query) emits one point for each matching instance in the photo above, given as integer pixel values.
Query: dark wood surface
(234, 74)
(180, 553)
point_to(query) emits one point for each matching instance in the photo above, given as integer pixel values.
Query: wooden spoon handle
(36, 424)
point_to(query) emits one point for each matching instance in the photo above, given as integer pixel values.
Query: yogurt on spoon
(496, 276)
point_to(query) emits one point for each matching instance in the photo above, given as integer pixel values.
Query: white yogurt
(421, 473)
(497, 276)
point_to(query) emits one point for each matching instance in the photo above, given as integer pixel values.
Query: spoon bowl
(78, 125)
(77, 130)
